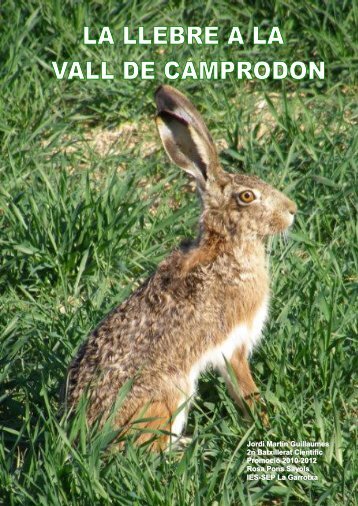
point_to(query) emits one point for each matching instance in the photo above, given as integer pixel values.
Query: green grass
(78, 234)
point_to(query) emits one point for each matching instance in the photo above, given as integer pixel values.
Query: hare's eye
(246, 197)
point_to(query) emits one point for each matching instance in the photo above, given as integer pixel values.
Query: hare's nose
(292, 207)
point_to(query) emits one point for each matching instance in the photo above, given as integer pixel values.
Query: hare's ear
(185, 136)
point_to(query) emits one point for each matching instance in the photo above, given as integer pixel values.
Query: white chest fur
(244, 334)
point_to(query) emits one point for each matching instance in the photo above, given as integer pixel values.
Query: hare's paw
(257, 404)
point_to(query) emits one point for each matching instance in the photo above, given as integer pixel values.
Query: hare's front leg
(243, 386)
(242, 379)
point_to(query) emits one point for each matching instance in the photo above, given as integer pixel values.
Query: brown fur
(197, 296)
(154, 422)
(245, 382)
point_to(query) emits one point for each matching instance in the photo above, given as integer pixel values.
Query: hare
(205, 306)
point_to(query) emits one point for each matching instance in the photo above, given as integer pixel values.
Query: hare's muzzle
(292, 207)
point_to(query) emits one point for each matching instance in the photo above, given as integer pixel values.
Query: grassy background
(89, 205)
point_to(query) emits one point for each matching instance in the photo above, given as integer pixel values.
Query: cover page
(178, 252)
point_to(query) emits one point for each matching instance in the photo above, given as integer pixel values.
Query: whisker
(285, 237)
(283, 242)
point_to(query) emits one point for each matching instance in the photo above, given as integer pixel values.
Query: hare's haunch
(206, 304)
